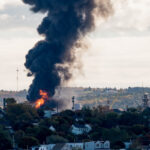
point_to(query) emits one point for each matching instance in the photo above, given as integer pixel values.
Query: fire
(41, 101)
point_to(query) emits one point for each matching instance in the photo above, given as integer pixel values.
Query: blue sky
(117, 53)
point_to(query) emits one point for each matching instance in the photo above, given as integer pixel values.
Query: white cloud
(13, 52)
(3, 3)
(131, 17)
(4, 17)
(119, 62)
(14, 16)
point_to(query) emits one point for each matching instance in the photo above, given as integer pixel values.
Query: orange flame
(41, 101)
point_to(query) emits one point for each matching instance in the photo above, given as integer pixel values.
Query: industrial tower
(73, 100)
(145, 101)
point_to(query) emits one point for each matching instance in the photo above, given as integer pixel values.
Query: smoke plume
(66, 23)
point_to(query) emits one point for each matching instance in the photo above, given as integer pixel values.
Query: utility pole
(13, 142)
(17, 78)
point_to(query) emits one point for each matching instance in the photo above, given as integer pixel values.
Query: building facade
(80, 129)
(99, 145)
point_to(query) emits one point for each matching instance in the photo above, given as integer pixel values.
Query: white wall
(89, 145)
(76, 145)
(44, 147)
(107, 144)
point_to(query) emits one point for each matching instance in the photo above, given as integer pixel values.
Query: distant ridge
(118, 98)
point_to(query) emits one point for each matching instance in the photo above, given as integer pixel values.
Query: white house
(76, 145)
(77, 106)
(90, 145)
(80, 129)
(52, 128)
(44, 147)
(61, 147)
(49, 113)
(99, 145)
(66, 146)
(127, 144)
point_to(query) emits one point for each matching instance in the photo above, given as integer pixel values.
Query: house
(66, 146)
(119, 110)
(99, 145)
(48, 113)
(80, 129)
(145, 147)
(76, 145)
(77, 107)
(52, 128)
(35, 122)
(102, 145)
(77, 119)
(61, 147)
(44, 147)
(127, 144)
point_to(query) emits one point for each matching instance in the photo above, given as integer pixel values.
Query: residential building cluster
(98, 145)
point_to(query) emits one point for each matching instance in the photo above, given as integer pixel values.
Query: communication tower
(145, 101)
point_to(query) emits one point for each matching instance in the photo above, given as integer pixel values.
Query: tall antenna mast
(17, 78)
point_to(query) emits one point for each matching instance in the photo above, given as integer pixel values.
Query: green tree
(32, 131)
(19, 135)
(137, 129)
(76, 148)
(39, 132)
(130, 118)
(21, 115)
(111, 120)
(65, 124)
(46, 122)
(5, 140)
(115, 134)
(136, 145)
(40, 112)
(42, 134)
(10, 101)
(118, 145)
(53, 139)
(27, 142)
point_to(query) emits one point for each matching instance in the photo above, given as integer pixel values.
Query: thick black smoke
(67, 21)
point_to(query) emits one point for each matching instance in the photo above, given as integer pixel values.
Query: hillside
(19, 96)
(118, 98)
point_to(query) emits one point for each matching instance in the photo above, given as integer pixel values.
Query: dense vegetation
(30, 128)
